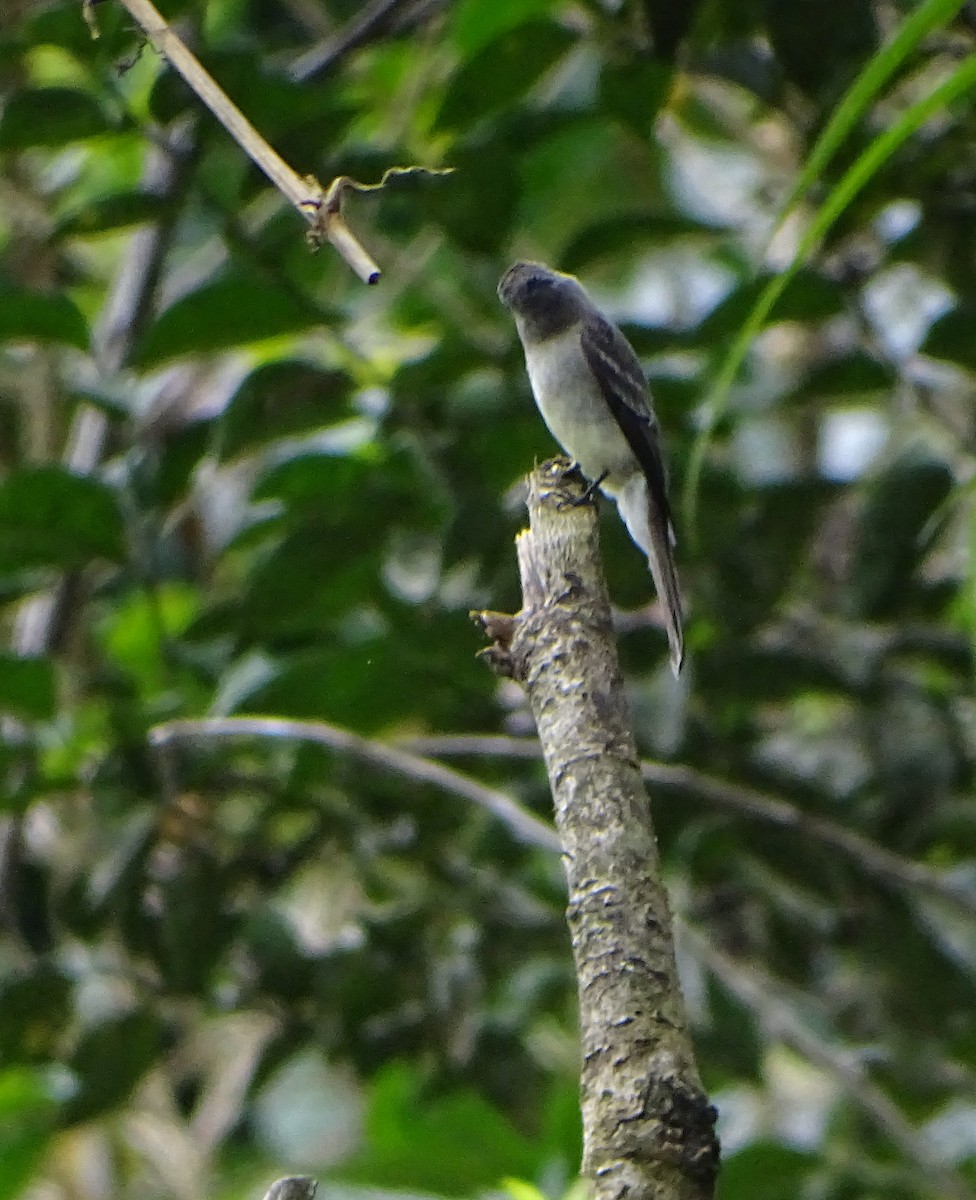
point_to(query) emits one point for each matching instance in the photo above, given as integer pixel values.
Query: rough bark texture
(648, 1127)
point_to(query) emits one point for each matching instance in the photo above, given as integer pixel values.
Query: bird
(591, 391)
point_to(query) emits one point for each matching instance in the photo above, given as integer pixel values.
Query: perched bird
(592, 394)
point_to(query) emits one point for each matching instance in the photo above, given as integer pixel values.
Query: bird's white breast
(575, 410)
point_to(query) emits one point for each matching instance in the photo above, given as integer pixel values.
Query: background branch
(371, 23)
(524, 826)
(761, 994)
(881, 864)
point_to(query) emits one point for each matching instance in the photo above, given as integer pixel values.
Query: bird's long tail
(652, 531)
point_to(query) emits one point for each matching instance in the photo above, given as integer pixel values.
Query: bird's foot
(590, 491)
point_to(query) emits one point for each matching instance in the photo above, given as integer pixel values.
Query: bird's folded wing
(621, 380)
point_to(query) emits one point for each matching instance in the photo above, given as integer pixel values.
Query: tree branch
(883, 865)
(764, 997)
(320, 207)
(523, 825)
(647, 1126)
(372, 21)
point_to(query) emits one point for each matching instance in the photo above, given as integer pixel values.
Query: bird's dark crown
(546, 299)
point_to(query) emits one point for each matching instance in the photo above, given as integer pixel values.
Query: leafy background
(234, 481)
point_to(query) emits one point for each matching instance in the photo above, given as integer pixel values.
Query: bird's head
(540, 298)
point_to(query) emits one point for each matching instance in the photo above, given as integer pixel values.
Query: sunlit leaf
(282, 399)
(233, 310)
(475, 24)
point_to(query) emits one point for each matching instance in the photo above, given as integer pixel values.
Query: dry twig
(320, 207)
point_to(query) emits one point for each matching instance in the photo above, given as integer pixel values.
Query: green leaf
(274, 102)
(26, 1123)
(350, 683)
(232, 311)
(109, 1060)
(820, 55)
(846, 379)
(110, 213)
(306, 585)
(137, 633)
(27, 687)
(51, 117)
(364, 493)
(34, 1009)
(486, 166)
(634, 92)
(669, 24)
(893, 532)
(21, 1155)
(109, 889)
(452, 1144)
(501, 72)
(281, 399)
(25, 1094)
(756, 546)
(41, 317)
(953, 337)
(50, 517)
(562, 172)
(809, 297)
(195, 922)
(765, 1171)
(627, 233)
(475, 24)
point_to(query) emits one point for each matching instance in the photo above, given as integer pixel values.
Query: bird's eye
(533, 283)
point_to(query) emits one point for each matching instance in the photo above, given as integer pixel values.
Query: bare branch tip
(500, 627)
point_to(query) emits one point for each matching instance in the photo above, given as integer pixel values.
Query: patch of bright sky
(850, 440)
(764, 450)
(675, 287)
(901, 303)
(897, 219)
(715, 182)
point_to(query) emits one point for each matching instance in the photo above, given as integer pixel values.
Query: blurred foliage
(235, 481)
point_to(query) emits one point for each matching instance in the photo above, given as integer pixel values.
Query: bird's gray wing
(621, 380)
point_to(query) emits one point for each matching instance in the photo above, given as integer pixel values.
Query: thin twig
(321, 209)
(881, 864)
(168, 43)
(371, 21)
(525, 826)
(768, 1000)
